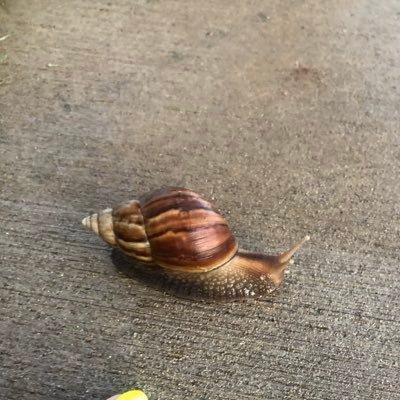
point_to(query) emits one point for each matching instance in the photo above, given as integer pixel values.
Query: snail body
(181, 237)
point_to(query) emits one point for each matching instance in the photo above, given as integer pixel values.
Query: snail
(181, 237)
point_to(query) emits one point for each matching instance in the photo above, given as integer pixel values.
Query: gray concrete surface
(286, 113)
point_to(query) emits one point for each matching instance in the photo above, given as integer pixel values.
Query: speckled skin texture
(237, 279)
(240, 278)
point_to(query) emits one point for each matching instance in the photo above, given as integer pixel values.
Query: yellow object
(133, 395)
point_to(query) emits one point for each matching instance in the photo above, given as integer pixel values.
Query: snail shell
(188, 243)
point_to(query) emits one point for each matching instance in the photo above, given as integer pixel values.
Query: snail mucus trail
(177, 235)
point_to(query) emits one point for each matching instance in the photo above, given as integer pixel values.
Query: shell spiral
(172, 227)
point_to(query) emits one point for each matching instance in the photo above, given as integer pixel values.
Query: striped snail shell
(184, 239)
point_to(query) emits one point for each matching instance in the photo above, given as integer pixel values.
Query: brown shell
(176, 229)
